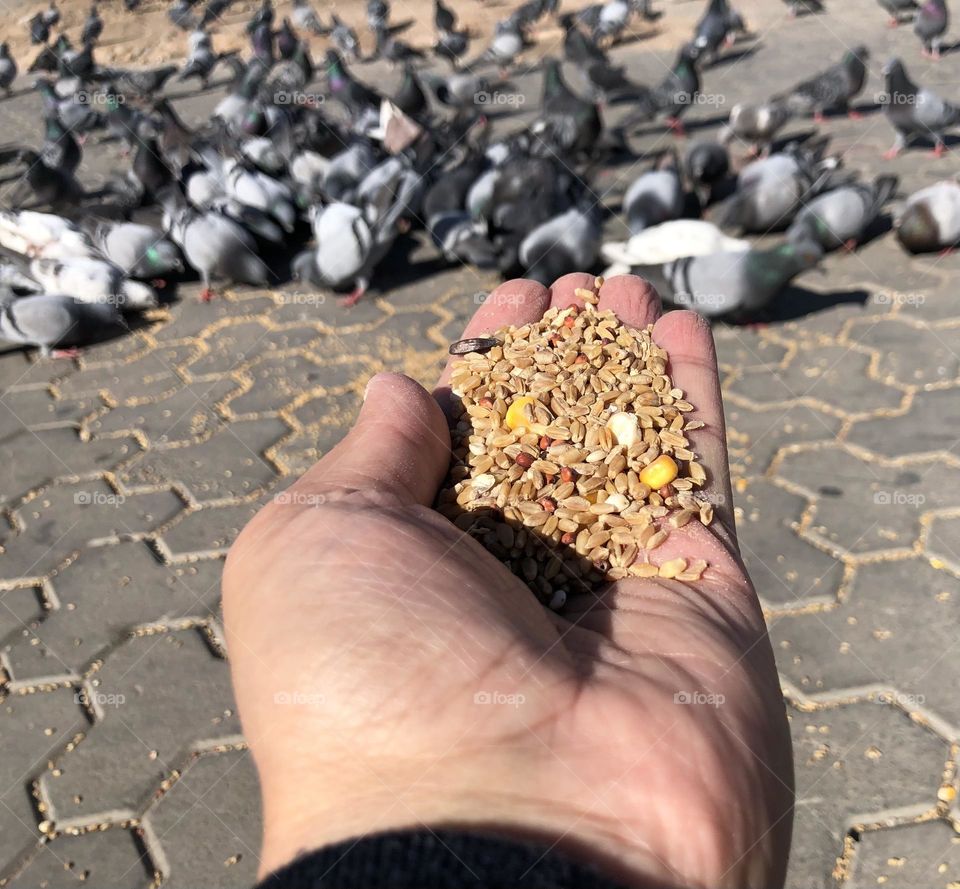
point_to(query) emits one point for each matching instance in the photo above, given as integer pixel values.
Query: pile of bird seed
(570, 456)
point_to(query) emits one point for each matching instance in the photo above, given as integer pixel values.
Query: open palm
(391, 673)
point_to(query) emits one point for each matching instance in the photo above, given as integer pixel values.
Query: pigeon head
(304, 267)
(917, 229)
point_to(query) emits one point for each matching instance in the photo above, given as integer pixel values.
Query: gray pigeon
(898, 8)
(732, 284)
(345, 38)
(915, 111)
(930, 219)
(771, 190)
(566, 243)
(804, 7)
(304, 18)
(215, 246)
(8, 68)
(930, 25)
(840, 218)
(92, 280)
(832, 89)
(140, 250)
(49, 320)
(757, 124)
(506, 45)
(654, 197)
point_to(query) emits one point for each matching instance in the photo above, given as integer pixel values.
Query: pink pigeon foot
(207, 294)
(72, 352)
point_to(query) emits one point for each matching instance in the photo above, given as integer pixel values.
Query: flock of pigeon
(279, 185)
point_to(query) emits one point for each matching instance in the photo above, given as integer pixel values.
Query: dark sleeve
(441, 859)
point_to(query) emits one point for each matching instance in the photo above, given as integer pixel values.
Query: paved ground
(128, 472)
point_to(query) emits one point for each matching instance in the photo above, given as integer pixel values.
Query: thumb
(400, 445)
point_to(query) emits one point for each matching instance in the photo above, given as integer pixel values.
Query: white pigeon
(667, 242)
(92, 280)
(31, 233)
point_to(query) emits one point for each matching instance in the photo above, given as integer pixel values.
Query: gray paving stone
(943, 542)
(341, 410)
(110, 858)
(19, 608)
(301, 452)
(855, 764)
(190, 317)
(62, 518)
(865, 507)
(831, 376)
(908, 857)
(893, 630)
(207, 531)
(909, 354)
(161, 697)
(276, 381)
(785, 570)
(228, 464)
(151, 373)
(932, 424)
(207, 819)
(55, 453)
(103, 595)
(34, 728)
(746, 350)
(35, 409)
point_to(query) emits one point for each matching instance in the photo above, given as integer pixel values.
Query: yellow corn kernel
(661, 472)
(520, 415)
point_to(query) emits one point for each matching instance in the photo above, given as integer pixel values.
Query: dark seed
(476, 344)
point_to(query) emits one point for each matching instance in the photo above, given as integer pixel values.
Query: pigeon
(757, 124)
(255, 189)
(140, 251)
(507, 43)
(444, 18)
(655, 196)
(60, 148)
(706, 164)
(771, 190)
(49, 320)
(733, 285)
(578, 48)
(12, 277)
(304, 18)
(47, 185)
(930, 24)
(200, 62)
(914, 110)
(149, 172)
(666, 242)
(214, 245)
(568, 122)
(345, 38)
(92, 280)
(841, 217)
(378, 16)
(930, 218)
(452, 45)
(92, 27)
(31, 233)
(181, 14)
(677, 92)
(803, 7)
(213, 13)
(356, 97)
(613, 18)
(8, 68)
(833, 88)
(714, 29)
(39, 30)
(51, 15)
(146, 82)
(263, 16)
(461, 238)
(344, 255)
(897, 8)
(568, 242)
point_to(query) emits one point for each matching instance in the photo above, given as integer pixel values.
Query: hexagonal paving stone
(181, 416)
(909, 354)
(929, 426)
(907, 857)
(34, 728)
(110, 858)
(19, 607)
(744, 349)
(208, 531)
(303, 304)
(62, 518)
(754, 437)
(228, 464)
(161, 697)
(36, 408)
(15, 370)
(894, 629)
(785, 569)
(278, 380)
(865, 507)
(104, 594)
(152, 373)
(339, 410)
(209, 825)
(934, 306)
(831, 376)
(856, 763)
(229, 346)
(943, 542)
(301, 452)
(190, 318)
(49, 454)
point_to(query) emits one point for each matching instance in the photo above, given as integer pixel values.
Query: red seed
(524, 459)
(580, 359)
(567, 474)
(548, 503)
(545, 442)
(486, 402)
(573, 309)
(569, 321)
(568, 538)
(667, 491)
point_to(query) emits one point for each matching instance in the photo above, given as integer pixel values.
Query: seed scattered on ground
(474, 344)
(571, 461)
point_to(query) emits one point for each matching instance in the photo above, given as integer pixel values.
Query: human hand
(391, 673)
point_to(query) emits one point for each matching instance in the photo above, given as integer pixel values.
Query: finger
(688, 341)
(632, 299)
(563, 290)
(399, 446)
(515, 302)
